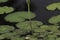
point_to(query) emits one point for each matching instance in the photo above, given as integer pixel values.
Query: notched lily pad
(6, 28)
(1, 1)
(26, 25)
(53, 6)
(54, 19)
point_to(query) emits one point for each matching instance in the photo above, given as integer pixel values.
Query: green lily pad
(1, 10)
(32, 38)
(8, 35)
(17, 38)
(5, 28)
(20, 32)
(19, 16)
(58, 38)
(53, 6)
(58, 6)
(2, 37)
(54, 19)
(25, 15)
(53, 28)
(26, 25)
(51, 37)
(1, 1)
(6, 9)
(42, 28)
(14, 18)
(28, 37)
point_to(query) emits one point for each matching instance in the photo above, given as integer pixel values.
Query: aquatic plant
(54, 19)
(6, 28)
(1, 1)
(53, 6)
(31, 29)
(19, 16)
(6, 9)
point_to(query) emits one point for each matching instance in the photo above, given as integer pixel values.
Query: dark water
(37, 6)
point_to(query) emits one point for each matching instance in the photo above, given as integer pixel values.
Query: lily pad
(26, 25)
(6, 9)
(42, 28)
(1, 1)
(6, 28)
(2, 37)
(53, 6)
(58, 6)
(25, 15)
(17, 38)
(8, 35)
(54, 19)
(58, 38)
(28, 37)
(33, 38)
(19, 16)
(53, 28)
(52, 37)
(14, 18)
(1, 10)
(19, 32)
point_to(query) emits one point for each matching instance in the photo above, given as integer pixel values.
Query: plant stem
(28, 3)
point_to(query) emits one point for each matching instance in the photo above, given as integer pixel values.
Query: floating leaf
(2, 37)
(8, 35)
(53, 6)
(25, 15)
(58, 38)
(17, 38)
(6, 9)
(26, 25)
(28, 37)
(19, 16)
(33, 38)
(20, 32)
(1, 10)
(51, 37)
(58, 6)
(5, 28)
(53, 28)
(16, 32)
(42, 28)
(54, 19)
(14, 18)
(1, 1)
